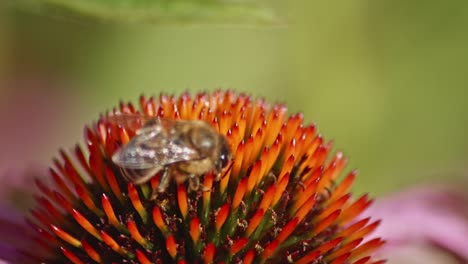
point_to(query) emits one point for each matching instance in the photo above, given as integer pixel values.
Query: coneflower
(279, 202)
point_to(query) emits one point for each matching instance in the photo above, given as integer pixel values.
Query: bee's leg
(164, 181)
(218, 176)
(194, 182)
(272, 176)
(154, 195)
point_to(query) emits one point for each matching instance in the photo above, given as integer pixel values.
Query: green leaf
(185, 12)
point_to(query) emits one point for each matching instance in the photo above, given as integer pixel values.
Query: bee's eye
(224, 160)
(225, 155)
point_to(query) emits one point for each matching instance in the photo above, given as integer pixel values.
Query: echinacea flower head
(280, 201)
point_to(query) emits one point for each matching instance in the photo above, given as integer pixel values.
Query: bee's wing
(154, 147)
(131, 121)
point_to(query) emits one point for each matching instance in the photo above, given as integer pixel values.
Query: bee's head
(211, 144)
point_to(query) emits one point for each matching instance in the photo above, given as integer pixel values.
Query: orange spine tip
(109, 211)
(293, 124)
(72, 174)
(306, 208)
(313, 177)
(109, 241)
(154, 182)
(282, 184)
(61, 185)
(287, 230)
(341, 259)
(253, 176)
(365, 231)
(248, 149)
(367, 247)
(258, 141)
(64, 203)
(225, 122)
(334, 206)
(239, 194)
(267, 198)
(50, 208)
(70, 256)
(344, 186)
(254, 222)
(257, 122)
(110, 146)
(184, 105)
(182, 199)
(314, 145)
(41, 218)
(379, 262)
(238, 246)
(136, 202)
(142, 257)
(287, 166)
(149, 108)
(344, 249)
(309, 257)
(237, 166)
(221, 216)
(316, 160)
(143, 103)
(275, 120)
(270, 249)
(355, 209)
(114, 185)
(341, 162)
(87, 200)
(354, 228)
(329, 245)
(290, 148)
(159, 220)
(304, 196)
(86, 224)
(271, 156)
(242, 122)
(65, 236)
(44, 246)
(136, 235)
(326, 222)
(195, 229)
(123, 135)
(82, 159)
(249, 257)
(44, 189)
(92, 253)
(232, 137)
(97, 167)
(362, 260)
(208, 184)
(101, 136)
(171, 246)
(224, 181)
(209, 253)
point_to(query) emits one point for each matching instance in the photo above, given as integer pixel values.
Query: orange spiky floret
(280, 202)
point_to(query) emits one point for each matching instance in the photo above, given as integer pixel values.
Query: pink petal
(424, 216)
(15, 236)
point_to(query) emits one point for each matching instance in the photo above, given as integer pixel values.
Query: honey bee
(180, 149)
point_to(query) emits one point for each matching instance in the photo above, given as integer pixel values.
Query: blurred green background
(385, 80)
